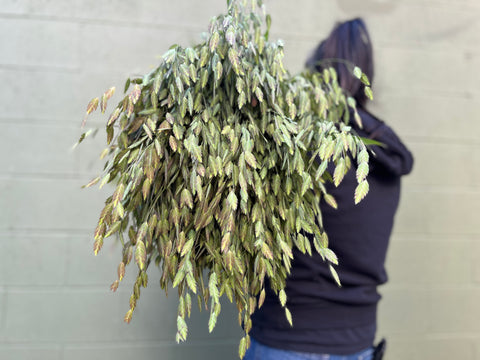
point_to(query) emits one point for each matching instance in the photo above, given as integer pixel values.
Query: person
(332, 322)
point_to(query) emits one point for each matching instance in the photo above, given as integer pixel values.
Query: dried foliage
(219, 159)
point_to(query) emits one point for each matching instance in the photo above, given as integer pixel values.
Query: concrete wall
(56, 55)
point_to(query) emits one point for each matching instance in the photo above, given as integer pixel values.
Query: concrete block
(413, 348)
(86, 269)
(450, 348)
(426, 116)
(406, 262)
(390, 23)
(30, 352)
(403, 311)
(431, 24)
(226, 329)
(473, 59)
(75, 9)
(296, 51)
(127, 48)
(50, 144)
(40, 95)
(368, 8)
(413, 71)
(85, 158)
(3, 312)
(454, 310)
(59, 9)
(475, 250)
(155, 317)
(451, 263)
(162, 326)
(312, 19)
(89, 315)
(445, 163)
(33, 260)
(183, 14)
(422, 347)
(16, 7)
(49, 204)
(435, 212)
(469, 4)
(176, 14)
(166, 351)
(476, 342)
(43, 43)
(93, 83)
(64, 316)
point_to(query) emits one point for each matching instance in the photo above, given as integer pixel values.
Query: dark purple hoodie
(326, 318)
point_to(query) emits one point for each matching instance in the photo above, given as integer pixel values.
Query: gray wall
(55, 55)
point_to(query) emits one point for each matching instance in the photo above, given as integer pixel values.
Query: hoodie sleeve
(394, 155)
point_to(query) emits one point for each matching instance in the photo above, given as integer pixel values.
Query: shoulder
(370, 122)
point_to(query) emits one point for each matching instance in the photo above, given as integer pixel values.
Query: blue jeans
(258, 351)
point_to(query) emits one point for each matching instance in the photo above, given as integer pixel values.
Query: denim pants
(258, 351)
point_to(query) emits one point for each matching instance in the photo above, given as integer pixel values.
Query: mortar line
(41, 68)
(83, 176)
(46, 232)
(434, 234)
(467, 190)
(3, 318)
(198, 29)
(183, 28)
(441, 140)
(128, 344)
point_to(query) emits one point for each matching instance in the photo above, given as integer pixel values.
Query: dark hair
(348, 45)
